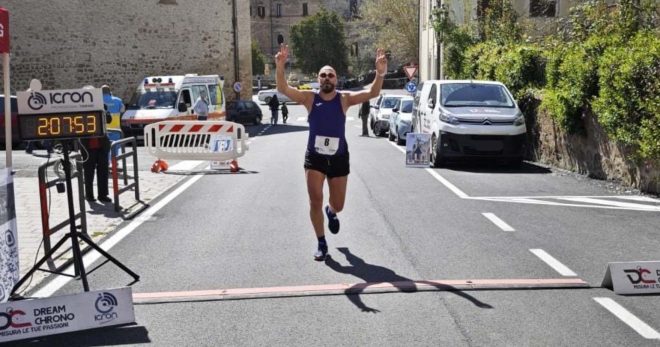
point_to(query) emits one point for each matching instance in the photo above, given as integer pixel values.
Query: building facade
(271, 21)
(71, 43)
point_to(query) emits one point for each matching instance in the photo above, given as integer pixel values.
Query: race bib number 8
(326, 145)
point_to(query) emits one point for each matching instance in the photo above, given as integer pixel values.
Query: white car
(469, 118)
(265, 96)
(379, 116)
(401, 120)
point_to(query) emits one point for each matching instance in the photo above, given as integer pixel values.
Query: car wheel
(267, 99)
(390, 136)
(399, 140)
(436, 153)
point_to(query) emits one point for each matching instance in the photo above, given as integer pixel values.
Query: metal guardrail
(44, 185)
(116, 171)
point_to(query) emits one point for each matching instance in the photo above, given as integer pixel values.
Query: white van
(468, 118)
(160, 98)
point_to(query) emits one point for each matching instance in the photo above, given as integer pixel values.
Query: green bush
(562, 107)
(628, 105)
(520, 67)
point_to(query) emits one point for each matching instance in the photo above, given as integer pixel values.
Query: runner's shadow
(375, 274)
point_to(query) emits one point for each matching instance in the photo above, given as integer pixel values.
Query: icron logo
(636, 276)
(36, 101)
(104, 304)
(8, 319)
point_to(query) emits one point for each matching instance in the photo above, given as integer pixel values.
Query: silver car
(401, 120)
(379, 116)
(265, 96)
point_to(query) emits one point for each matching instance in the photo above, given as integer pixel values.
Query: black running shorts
(331, 166)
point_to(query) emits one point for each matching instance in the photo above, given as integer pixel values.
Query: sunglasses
(328, 75)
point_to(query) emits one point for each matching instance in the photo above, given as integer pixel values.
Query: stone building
(71, 43)
(271, 21)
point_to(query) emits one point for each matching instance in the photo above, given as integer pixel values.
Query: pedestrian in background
(95, 160)
(274, 104)
(327, 156)
(201, 106)
(364, 116)
(285, 112)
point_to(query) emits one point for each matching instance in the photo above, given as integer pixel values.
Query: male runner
(327, 151)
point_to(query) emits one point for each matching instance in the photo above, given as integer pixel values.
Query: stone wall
(71, 43)
(592, 154)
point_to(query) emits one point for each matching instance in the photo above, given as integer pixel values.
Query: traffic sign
(411, 87)
(237, 87)
(4, 30)
(410, 71)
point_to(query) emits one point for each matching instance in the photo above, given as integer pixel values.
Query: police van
(159, 98)
(469, 118)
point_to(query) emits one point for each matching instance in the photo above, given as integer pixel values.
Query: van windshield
(474, 94)
(152, 99)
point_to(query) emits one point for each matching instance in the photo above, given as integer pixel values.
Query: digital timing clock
(62, 125)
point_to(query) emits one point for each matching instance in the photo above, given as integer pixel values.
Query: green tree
(392, 25)
(258, 59)
(320, 40)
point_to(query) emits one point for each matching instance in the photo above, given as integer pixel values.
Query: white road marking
(107, 244)
(301, 119)
(497, 221)
(613, 203)
(402, 149)
(186, 165)
(630, 319)
(447, 184)
(554, 263)
(350, 118)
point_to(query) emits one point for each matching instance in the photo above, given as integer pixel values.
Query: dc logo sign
(36, 101)
(104, 304)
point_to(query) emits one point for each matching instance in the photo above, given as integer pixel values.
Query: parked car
(379, 116)
(244, 111)
(470, 119)
(401, 120)
(15, 135)
(265, 96)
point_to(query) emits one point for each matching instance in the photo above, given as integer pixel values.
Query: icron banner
(62, 314)
(9, 271)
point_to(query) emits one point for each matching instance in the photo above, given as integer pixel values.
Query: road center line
(497, 221)
(59, 282)
(554, 263)
(630, 319)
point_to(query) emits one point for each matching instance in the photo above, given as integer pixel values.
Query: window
(353, 7)
(278, 10)
(251, 11)
(433, 95)
(261, 11)
(280, 39)
(305, 10)
(542, 8)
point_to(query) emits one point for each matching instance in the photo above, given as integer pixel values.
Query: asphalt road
(464, 222)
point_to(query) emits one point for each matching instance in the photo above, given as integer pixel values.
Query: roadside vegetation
(603, 60)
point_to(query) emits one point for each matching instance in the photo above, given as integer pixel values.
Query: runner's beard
(327, 88)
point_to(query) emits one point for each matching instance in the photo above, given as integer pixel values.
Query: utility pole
(234, 21)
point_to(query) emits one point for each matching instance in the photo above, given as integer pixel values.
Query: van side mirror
(182, 107)
(108, 117)
(431, 103)
(395, 110)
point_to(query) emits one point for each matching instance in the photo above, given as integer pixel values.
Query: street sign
(237, 87)
(410, 71)
(4, 30)
(411, 87)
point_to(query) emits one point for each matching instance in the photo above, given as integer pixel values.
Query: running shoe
(333, 221)
(321, 252)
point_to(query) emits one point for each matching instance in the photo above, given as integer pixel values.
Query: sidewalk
(101, 218)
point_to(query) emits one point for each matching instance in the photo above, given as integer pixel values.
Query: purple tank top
(327, 127)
